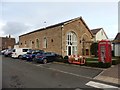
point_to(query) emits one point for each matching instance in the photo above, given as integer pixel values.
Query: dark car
(47, 57)
(31, 55)
(24, 56)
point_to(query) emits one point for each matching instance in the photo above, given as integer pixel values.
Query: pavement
(110, 75)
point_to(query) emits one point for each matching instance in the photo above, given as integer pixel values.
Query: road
(22, 74)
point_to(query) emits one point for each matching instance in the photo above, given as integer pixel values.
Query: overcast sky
(17, 18)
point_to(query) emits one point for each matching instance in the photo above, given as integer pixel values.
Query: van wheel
(20, 56)
(44, 61)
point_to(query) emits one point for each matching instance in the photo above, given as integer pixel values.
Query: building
(116, 45)
(99, 34)
(67, 38)
(6, 42)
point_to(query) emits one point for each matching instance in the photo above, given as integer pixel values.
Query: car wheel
(34, 61)
(20, 56)
(44, 61)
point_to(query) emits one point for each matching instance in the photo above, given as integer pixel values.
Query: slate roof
(95, 31)
(117, 39)
(117, 36)
(60, 24)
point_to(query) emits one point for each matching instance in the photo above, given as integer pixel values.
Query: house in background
(6, 42)
(116, 45)
(99, 34)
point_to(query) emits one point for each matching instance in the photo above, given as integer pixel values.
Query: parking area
(18, 73)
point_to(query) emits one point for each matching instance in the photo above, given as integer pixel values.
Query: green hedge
(92, 62)
(115, 62)
(104, 65)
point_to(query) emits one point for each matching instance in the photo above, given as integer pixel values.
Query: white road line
(53, 69)
(79, 66)
(99, 85)
(38, 65)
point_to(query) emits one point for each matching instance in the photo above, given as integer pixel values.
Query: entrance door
(69, 50)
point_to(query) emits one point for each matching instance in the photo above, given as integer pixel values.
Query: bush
(91, 64)
(104, 65)
(94, 49)
(114, 62)
(95, 63)
(65, 59)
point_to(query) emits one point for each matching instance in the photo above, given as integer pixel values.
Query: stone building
(6, 42)
(67, 38)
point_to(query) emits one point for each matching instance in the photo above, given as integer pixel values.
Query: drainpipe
(62, 28)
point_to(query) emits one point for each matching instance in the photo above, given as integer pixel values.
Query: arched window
(37, 43)
(71, 43)
(45, 42)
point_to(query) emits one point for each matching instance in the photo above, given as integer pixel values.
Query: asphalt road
(22, 74)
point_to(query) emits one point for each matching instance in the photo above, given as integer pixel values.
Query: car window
(14, 50)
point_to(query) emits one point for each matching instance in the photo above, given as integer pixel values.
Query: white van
(18, 52)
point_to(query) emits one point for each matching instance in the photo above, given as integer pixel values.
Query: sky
(20, 17)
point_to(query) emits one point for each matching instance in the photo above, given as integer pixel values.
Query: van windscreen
(14, 50)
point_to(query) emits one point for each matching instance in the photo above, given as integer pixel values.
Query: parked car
(31, 55)
(18, 52)
(47, 57)
(8, 52)
(24, 56)
(3, 51)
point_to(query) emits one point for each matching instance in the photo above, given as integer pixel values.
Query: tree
(94, 49)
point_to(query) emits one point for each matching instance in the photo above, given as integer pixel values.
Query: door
(69, 50)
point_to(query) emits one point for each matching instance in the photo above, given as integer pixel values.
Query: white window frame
(71, 41)
(45, 42)
(37, 43)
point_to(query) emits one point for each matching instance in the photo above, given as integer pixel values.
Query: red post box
(104, 51)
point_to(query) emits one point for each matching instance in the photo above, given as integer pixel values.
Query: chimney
(9, 36)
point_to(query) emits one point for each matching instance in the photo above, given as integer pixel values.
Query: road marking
(99, 85)
(53, 69)
(79, 66)
(38, 65)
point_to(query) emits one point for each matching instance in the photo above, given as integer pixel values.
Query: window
(14, 50)
(37, 43)
(25, 43)
(45, 43)
(30, 44)
(25, 50)
(51, 40)
(71, 43)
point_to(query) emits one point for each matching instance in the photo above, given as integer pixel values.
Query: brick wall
(53, 36)
(7, 42)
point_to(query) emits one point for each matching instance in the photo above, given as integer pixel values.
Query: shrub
(65, 59)
(94, 49)
(104, 65)
(114, 62)
(91, 64)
